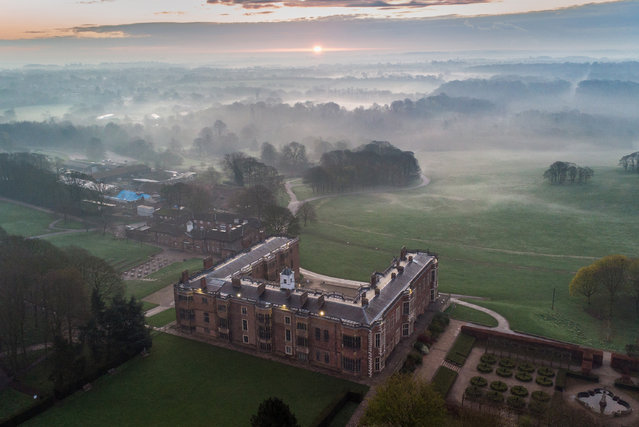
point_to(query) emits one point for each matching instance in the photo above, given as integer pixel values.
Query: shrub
(543, 381)
(442, 318)
(498, 386)
(537, 407)
(507, 363)
(436, 328)
(421, 347)
(546, 372)
(516, 402)
(473, 392)
(484, 368)
(479, 381)
(560, 381)
(518, 390)
(443, 380)
(523, 376)
(494, 396)
(425, 338)
(582, 376)
(415, 356)
(408, 366)
(540, 396)
(526, 367)
(488, 358)
(504, 372)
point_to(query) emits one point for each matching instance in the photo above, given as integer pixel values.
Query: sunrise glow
(317, 49)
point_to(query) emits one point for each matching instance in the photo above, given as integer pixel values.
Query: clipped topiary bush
(504, 372)
(484, 368)
(488, 358)
(494, 396)
(507, 363)
(546, 372)
(523, 376)
(479, 381)
(473, 392)
(442, 318)
(540, 396)
(421, 347)
(516, 402)
(543, 381)
(518, 390)
(526, 367)
(498, 386)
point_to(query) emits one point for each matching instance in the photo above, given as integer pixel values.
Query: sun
(317, 49)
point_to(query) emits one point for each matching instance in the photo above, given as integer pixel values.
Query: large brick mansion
(253, 300)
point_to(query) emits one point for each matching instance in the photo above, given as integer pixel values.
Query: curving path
(502, 323)
(294, 204)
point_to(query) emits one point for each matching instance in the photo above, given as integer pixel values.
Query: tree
(307, 213)
(633, 281)
(273, 412)
(269, 154)
(279, 220)
(609, 273)
(584, 283)
(405, 401)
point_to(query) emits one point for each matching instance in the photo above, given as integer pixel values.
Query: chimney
(410, 259)
(304, 299)
(260, 289)
(236, 282)
(373, 279)
(364, 301)
(402, 253)
(393, 275)
(320, 301)
(208, 262)
(377, 291)
(184, 277)
(203, 283)
(400, 269)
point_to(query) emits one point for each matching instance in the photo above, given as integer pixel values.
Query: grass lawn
(467, 314)
(185, 382)
(20, 220)
(443, 380)
(500, 231)
(13, 402)
(161, 278)
(162, 318)
(121, 254)
(146, 306)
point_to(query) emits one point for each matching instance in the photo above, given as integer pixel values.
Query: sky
(95, 31)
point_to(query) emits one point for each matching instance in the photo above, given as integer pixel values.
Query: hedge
(560, 381)
(443, 380)
(461, 349)
(581, 376)
(632, 387)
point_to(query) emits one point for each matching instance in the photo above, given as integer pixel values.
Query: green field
(162, 318)
(20, 220)
(467, 314)
(121, 254)
(13, 402)
(186, 382)
(500, 231)
(161, 278)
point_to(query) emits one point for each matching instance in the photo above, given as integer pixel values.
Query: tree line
(375, 164)
(567, 172)
(71, 300)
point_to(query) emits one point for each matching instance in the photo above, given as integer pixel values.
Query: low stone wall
(621, 361)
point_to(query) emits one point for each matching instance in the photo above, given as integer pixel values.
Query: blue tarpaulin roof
(131, 196)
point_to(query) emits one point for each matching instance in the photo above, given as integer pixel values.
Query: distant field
(186, 382)
(121, 254)
(501, 232)
(161, 278)
(16, 219)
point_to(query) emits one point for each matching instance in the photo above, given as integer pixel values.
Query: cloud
(380, 4)
(169, 12)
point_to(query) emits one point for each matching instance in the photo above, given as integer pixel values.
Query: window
(405, 330)
(406, 308)
(244, 325)
(224, 323)
(287, 320)
(207, 331)
(206, 317)
(377, 363)
(182, 313)
(264, 318)
(264, 333)
(288, 349)
(432, 276)
(301, 326)
(224, 336)
(204, 300)
(396, 315)
(302, 356)
(265, 346)
(327, 358)
(351, 365)
(302, 342)
(378, 340)
(244, 311)
(351, 341)
(325, 334)
(318, 334)
(221, 308)
(287, 335)
(245, 339)
(317, 355)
